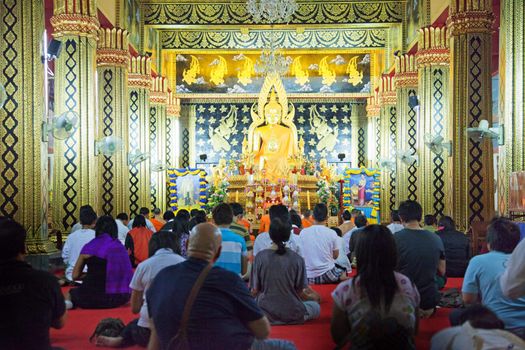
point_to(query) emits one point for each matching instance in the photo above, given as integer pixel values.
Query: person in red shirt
(137, 241)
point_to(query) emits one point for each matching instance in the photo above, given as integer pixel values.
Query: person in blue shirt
(481, 282)
(234, 252)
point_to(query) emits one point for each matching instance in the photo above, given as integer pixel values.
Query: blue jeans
(273, 344)
(313, 310)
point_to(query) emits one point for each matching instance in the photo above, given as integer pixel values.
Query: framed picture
(187, 189)
(361, 191)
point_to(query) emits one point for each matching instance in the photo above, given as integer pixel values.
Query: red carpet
(314, 335)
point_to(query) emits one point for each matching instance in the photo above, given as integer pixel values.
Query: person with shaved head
(223, 316)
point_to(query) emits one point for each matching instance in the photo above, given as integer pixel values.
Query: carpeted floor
(314, 335)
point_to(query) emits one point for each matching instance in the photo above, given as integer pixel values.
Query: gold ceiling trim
(235, 12)
(286, 39)
(207, 96)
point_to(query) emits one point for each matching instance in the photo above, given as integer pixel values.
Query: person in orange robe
(264, 225)
(307, 220)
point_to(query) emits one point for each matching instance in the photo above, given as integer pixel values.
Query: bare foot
(109, 342)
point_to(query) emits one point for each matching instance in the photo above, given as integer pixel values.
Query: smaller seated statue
(219, 172)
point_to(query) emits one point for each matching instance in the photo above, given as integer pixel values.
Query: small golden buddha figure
(273, 142)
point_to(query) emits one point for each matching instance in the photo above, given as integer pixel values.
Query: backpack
(109, 327)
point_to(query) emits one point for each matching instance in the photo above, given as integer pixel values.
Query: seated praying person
(184, 218)
(157, 220)
(224, 315)
(297, 224)
(137, 241)
(240, 229)
(378, 308)
(137, 332)
(481, 282)
(263, 240)
(342, 260)
(395, 224)
(168, 216)
(421, 256)
(278, 280)
(513, 279)
(174, 228)
(144, 212)
(122, 225)
(264, 223)
(307, 219)
(193, 213)
(199, 218)
(320, 246)
(78, 225)
(31, 300)
(430, 223)
(106, 283)
(352, 237)
(347, 224)
(479, 328)
(457, 247)
(78, 239)
(234, 255)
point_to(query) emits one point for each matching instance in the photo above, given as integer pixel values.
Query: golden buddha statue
(272, 137)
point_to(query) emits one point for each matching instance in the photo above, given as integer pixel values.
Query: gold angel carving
(325, 72)
(355, 77)
(245, 74)
(220, 136)
(218, 71)
(190, 75)
(327, 137)
(301, 75)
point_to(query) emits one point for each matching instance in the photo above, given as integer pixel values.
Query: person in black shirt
(457, 247)
(421, 256)
(30, 300)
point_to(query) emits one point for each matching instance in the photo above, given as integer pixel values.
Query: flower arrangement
(218, 194)
(326, 192)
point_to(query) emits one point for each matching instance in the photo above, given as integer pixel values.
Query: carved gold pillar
(172, 131)
(433, 63)
(388, 116)
(112, 69)
(372, 113)
(139, 84)
(407, 128)
(75, 182)
(23, 155)
(470, 29)
(359, 139)
(512, 105)
(157, 126)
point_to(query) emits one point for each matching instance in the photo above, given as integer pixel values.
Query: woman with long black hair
(378, 308)
(279, 281)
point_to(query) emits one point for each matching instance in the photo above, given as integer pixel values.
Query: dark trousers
(133, 334)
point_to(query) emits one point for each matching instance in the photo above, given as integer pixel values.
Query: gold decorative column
(407, 128)
(359, 139)
(75, 182)
(372, 113)
(470, 29)
(23, 155)
(172, 131)
(158, 99)
(433, 63)
(139, 84)
(112, 69)
(388, 116)
(512, 104)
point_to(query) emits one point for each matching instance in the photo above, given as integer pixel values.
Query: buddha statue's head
(273, 109)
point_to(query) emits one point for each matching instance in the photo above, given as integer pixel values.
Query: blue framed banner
(361, 191)
(187, 189)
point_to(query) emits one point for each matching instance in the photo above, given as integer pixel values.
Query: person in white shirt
(76, 240)
(320, 246)
(342, 259)
(513, 279)
(144, 212)
(263, 240)
(122, 225)
(137, 332)
(78, 225)
(396, 225)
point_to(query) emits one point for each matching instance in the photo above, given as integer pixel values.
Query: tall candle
(237, 196)
(308, 199)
